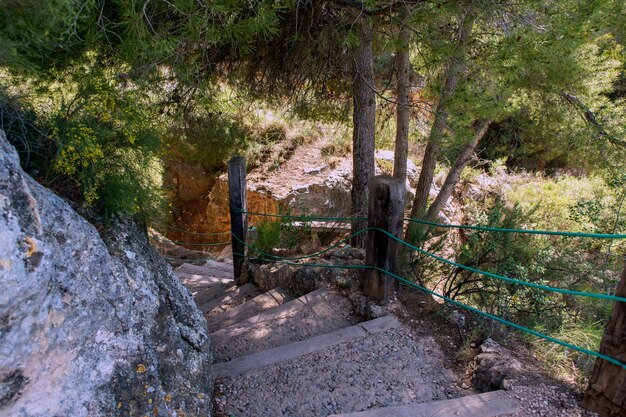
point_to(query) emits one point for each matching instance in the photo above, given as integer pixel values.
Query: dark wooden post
(238, 220)
(606, 394)
(385, 211)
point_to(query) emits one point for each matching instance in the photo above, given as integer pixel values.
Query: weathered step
(257, 305)
(204, 295)
(211, 268)
(229, 299)
(379, 369)
(293, 350)
(224, 266)
(488, 404)
(198, 282)
(315, 313)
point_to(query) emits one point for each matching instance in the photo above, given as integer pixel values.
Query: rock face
(89, 328)
(494, 366)
(301, 280)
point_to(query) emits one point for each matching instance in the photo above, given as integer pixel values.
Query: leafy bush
(281, 234)
(582, 264)
(99, 146)
(208, 137)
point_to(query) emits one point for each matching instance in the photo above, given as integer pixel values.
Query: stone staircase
(310, 356)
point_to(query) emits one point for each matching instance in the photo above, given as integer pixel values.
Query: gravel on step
(386, 369)
(545, 400)
(301, 323)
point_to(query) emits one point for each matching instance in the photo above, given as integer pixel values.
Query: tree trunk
(455, 172)
(606, 394)
(403, 109)
(364, 119)
(453, 73)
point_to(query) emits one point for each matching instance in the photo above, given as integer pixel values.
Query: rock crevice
(89, 324)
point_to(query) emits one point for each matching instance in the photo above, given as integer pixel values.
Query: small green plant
(559, 360)
(497, 165)
(385, 165)
(336, 149)
(343, 284)
(469, 174)
(268, 237)
(271, 134)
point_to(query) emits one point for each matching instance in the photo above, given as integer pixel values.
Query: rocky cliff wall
(90, 325)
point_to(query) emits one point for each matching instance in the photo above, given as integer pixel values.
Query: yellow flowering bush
(108, 144)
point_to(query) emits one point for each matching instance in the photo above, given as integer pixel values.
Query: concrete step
(381, 365)
(488, 404)
(257, 305)
(231, 298)
(293, 350)
(312, 314)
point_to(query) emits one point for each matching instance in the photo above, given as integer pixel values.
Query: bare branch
(590, 118)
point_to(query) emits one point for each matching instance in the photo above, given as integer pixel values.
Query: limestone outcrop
(90, 325)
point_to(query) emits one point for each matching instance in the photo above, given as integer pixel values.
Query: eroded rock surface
(300, 280)
(90, 326)
(494, 366)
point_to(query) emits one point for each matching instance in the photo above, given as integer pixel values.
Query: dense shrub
(577, 263)
(97, 144)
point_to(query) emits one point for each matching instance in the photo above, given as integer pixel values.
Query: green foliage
(208, 138)
(280, 235)
(518, 74)
(108, 142)
(37, 34)
(559, 359)
(272, 133)
(568, 203)
(385, 165)
(268, 236)
(591, 265)
(96, 143)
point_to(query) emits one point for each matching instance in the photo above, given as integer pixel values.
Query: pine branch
(591, 118)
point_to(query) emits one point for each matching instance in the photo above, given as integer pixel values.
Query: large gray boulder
(90, 325)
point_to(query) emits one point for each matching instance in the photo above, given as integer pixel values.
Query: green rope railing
(521, 231)
(462, 305)
(295, 258)
(303, 218)
(441, 259)
(506, 322)
(503, 278)
(289, 261)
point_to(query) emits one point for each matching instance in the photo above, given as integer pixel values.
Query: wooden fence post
(606, 394)
(238, 220)
(385, 211)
